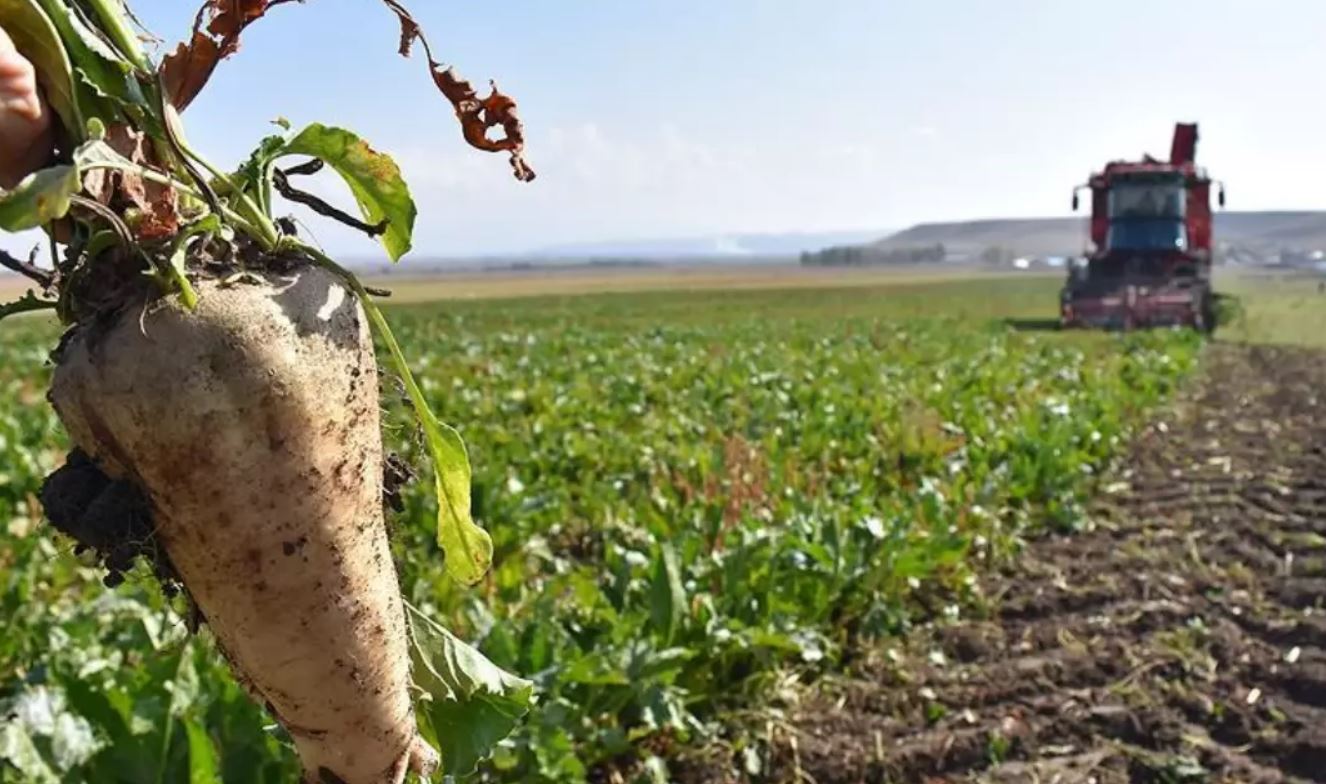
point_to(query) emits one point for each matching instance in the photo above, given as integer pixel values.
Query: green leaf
(114, 22)
(17, 749)
(468, 548)
(185, 686)
(101, 73)
(472, 704)
(73, 742)
(202, 755)
(373, 177)
(179, 255)
(36, 38)
(667, 597)
(255, 175)
(41, 198)
(664, 663)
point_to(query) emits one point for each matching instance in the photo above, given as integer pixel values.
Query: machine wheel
(1205, 319)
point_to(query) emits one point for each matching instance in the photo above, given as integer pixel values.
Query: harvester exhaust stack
(1184, 149)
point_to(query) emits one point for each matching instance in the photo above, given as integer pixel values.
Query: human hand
(27, 136)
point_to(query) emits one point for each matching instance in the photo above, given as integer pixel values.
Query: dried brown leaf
(98, 185)
(230, 17)
(156, 206)
(216, 32)
(476, 115)
(160, 215)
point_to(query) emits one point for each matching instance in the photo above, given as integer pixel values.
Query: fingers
(26, 132)
(11, 62)
(18, 83)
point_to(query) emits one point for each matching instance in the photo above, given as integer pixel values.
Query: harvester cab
(1150, 260)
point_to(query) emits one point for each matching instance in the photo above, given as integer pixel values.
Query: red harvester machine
(1151, 232)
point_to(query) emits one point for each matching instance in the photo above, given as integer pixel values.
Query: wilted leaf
(39, 199)
(220, 23)
(477, 115)
(373, 177)
(153, 207)
(216, 32)
(41, 712)
(101, 183)
(37, 709)
(472, 703)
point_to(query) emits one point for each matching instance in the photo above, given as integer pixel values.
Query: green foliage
(667, 601)
(1259, 306)
(826, 468)
(1228, 309)
(870, 255)
(103, 79)
(41, 198)
(374, 179)
(471, 704)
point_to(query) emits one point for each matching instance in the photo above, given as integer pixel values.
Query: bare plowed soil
(1181, 640)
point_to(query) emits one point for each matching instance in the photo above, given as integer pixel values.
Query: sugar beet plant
(722, 497)
(219, 384)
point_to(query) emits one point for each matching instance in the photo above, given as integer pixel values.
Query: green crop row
(686, 511)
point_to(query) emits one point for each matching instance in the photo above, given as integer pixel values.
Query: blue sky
(665, 118)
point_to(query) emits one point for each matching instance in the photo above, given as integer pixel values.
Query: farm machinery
(1150, 262)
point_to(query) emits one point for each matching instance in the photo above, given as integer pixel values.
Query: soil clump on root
(111, 518)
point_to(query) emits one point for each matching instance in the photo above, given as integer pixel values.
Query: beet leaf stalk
(222, 369)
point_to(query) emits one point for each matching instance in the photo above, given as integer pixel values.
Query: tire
(1205, 321)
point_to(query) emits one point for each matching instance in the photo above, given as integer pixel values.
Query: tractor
(1150, 261)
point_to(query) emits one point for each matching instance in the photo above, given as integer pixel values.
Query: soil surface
(1181, 639)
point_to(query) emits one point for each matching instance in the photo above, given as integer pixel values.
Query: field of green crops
(697, 500)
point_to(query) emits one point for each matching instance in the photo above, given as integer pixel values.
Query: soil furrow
(1186, 641)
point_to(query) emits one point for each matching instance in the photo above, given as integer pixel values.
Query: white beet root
(252, 425)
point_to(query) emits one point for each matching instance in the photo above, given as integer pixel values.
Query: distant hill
(1026, 236)
(1259, 231)
(1299, 230)
(716, 247)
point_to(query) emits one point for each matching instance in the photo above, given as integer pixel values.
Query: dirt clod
(111, 518)
(397, 475)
